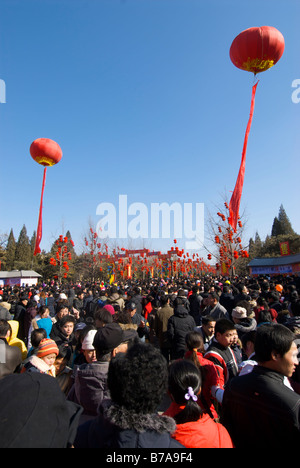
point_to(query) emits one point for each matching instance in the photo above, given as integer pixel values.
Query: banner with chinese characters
(284, 248)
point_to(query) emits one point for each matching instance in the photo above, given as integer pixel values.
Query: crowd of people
(184, 363)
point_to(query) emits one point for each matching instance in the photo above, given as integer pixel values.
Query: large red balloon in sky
(254, 50)
(47, 153)
(257, 49)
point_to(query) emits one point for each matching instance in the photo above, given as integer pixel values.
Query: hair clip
(190, 394)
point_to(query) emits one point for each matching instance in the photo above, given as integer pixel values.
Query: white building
(19, 278)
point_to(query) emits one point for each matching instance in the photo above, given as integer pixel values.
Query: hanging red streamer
(40, 228)
(234, 205)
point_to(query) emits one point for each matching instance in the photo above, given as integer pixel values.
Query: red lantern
(257, 49)
(47, 153)
(254, 50)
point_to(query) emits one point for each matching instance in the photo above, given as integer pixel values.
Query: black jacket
(195, 307)
(179, 325)
(116, 427)
(259, 410)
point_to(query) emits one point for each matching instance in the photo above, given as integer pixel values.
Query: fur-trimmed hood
(125, 419)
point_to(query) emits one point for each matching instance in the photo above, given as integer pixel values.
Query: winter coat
(217, 312)
(115, 298)
(161, 325)
(224, 360)
(245, 325)
(90, 386)
(14, 340)
(179, 325)
(117, 427)
(204, 433)
(227, 301)
(195, 307)
(4, 313)
(19, 315)
(38, 322)
(259, 410)
(36, 364)
(10, 358)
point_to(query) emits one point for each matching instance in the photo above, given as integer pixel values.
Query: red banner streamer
(40, 229)
(235, 200)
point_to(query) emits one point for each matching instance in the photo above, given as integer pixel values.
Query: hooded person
(137, 381)
(14, 340)
(10, 356)
(179, 325)
(36, 413)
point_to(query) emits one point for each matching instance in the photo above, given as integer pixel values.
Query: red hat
(47, 347)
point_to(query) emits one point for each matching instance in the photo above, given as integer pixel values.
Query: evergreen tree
(255, 246)
(32, 242)
(281, 224)
(10, 251)
(23, 255)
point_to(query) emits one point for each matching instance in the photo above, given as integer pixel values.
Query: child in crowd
(194, 428)
(221, 354)
(44, 359)
(209, 374)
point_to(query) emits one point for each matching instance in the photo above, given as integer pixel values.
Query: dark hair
(272, 338)
(264, 316)
(249, 336)
(138, 378)
(193, 341)
(43, 309)
(60, 306)
(4, 328)
(37, 335)
(214, 295)
(206, 319)
(223, 325)
(64, 353)
(182, 375)
(67, 319)
(164, 299)
(104, 315)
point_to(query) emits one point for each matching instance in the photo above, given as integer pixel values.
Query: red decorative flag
(234, 204)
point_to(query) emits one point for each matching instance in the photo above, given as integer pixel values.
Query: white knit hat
(88, 340)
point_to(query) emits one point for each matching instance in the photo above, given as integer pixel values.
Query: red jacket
(211, 378)
(204, 433)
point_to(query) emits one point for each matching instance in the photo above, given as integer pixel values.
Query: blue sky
(143, 99)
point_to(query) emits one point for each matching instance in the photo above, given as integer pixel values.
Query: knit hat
(46, 347)
(88, 340)
(109, 308)
(239, 312)
(108, 338)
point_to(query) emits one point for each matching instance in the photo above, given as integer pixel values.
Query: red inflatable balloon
(257, 49)
(45, 151)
